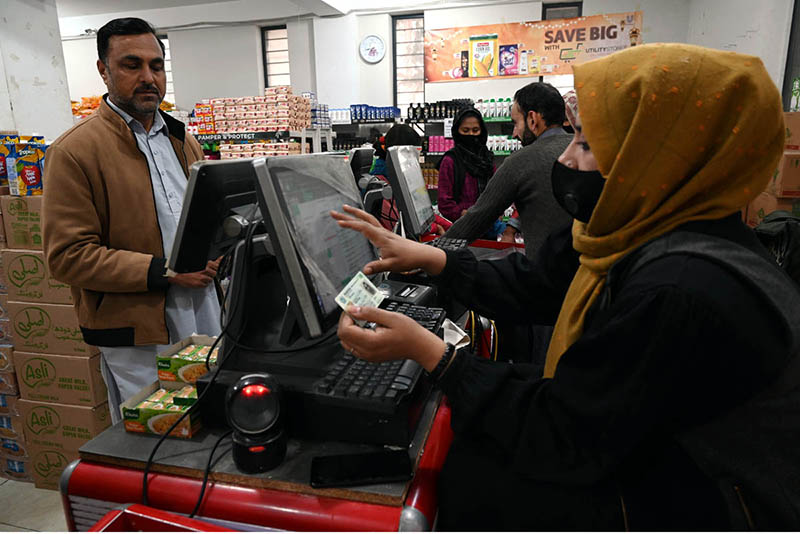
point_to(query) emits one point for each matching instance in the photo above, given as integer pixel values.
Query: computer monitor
(315, 255)
(408, 187)
(361, 162)
(220, 202)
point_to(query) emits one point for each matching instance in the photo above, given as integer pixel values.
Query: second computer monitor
(408, 187)
(361, 161)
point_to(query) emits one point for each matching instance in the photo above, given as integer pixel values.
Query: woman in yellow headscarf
(658, 406)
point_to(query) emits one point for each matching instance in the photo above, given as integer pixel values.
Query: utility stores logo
(38, 372)
(43, 421)
(26, 270)
(49, 463)
(32, 322)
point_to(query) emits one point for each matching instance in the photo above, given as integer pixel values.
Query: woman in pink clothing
(466, 168)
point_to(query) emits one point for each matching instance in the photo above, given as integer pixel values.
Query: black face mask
(470, 142)
(577, 191)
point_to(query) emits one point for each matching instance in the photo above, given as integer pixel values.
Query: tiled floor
(24, 508)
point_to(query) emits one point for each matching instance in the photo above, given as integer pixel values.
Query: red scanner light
(255, 390)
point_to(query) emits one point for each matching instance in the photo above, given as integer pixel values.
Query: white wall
(376, 80)
(80, 60)
(663, 21)
(301, 55)
(336, 61)
(7, 121)
(216, 62)
(33, 69)
(223, 11)
(476, 16)
(760, 29)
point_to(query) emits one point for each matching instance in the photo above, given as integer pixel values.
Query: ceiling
(78, 8)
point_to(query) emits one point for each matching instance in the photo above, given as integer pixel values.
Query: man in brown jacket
(114, 187)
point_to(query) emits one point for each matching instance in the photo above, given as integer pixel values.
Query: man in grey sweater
(524, 178)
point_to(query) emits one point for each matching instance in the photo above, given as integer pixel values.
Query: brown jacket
(101, 232)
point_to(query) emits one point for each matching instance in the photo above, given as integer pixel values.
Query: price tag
(448, 127)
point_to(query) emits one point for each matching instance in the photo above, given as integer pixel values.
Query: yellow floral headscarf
(680, 133)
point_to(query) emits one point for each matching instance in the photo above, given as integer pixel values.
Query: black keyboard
(353, 378)
(449, 243)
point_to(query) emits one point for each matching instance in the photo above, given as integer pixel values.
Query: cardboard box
(3, 288)
(57, 378)
(8, 404)
(6, 358)
(176, 370)
(46, 465)
(157, 418)
(766, 203)
(792, 121)
(16, 469)
(62, 426)
(3, 304)
(47, 328)
(11, 427)
(22, 217)
(8, 383)
(29, 280)
(786, 178)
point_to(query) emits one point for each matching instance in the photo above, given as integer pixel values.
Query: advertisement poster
(526, 48)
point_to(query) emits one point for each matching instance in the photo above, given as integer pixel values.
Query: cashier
(666, 396)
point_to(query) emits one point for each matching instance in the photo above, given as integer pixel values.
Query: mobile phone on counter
(361, 469)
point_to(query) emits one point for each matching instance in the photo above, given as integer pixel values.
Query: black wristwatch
(444, 363)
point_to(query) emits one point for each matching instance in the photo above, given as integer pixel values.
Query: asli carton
(786, 178)
(56, 378)
(46, 465)
(791, 120)
(47, 328)
(62, 427)
(22, 218)
(28, 278)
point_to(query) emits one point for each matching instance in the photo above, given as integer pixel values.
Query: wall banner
(526, 48)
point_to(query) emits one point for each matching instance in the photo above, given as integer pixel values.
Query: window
(562, 10)
(169, 96)
(409, 61)
(276, 56)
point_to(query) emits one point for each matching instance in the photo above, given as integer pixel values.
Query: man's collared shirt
(188, 310)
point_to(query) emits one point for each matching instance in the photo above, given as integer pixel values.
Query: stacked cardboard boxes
(62, 397)
(783, 191)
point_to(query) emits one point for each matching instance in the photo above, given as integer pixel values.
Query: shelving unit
(317, 136)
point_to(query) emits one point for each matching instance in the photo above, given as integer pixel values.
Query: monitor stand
(263, 334)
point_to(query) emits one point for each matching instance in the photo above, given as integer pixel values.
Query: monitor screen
(218, 192)
(408, 186)
(317, 256)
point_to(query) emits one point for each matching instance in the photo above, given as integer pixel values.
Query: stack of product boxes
(158, 406)
(783, 191)
(61, 398)
(320, 115)
(278, 110)
(258, 150)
